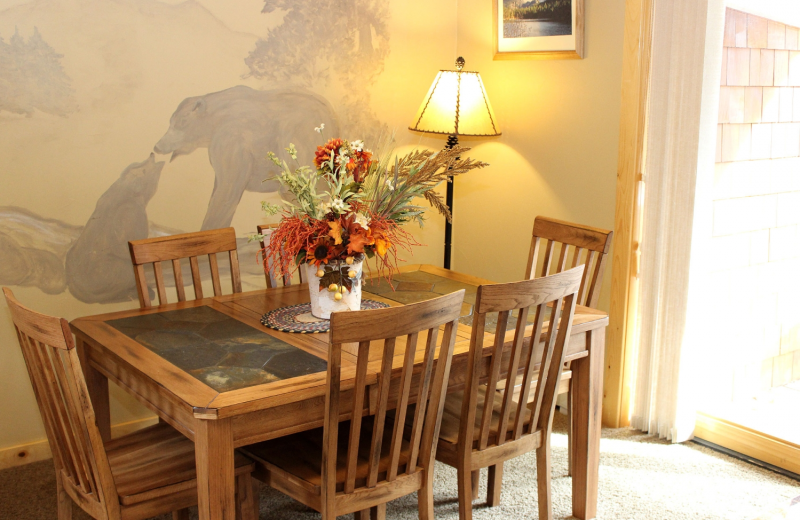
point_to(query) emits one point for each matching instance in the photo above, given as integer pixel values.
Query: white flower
(342, 159)
(362, 220)
(389, 184)
(337, 205)
(320, 128)
(357, 145)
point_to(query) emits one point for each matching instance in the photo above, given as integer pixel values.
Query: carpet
(641, 478)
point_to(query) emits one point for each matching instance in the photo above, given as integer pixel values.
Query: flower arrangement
(360, 214)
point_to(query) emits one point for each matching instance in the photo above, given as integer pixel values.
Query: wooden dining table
(210, 369)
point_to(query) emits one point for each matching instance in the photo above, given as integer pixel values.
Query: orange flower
(325, 152)
(335, 233)
(382, 246)
(359, 239)
(321, 252)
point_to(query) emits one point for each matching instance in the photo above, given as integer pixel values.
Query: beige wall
(558, 152)
(130, 64)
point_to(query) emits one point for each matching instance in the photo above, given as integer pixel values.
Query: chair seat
(156, 461)
(300, 455)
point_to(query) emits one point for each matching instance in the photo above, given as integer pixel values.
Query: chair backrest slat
(539, 296)
(178, 275)
(402, 405)
(212, 262)
(265, 230)
(384, 382)
(594, 241)
(383, 327)
(494, 372)
(513, 367)
(176, 247)
(63, 399)
(422, 405)
(359, 394)
(162, 291)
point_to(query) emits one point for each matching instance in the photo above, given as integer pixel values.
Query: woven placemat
(298, 318)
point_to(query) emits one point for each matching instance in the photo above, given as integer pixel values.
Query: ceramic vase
(323, 302)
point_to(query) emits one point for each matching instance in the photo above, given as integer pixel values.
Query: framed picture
(538, 29)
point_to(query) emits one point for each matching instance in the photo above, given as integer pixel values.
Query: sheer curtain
(679, 161)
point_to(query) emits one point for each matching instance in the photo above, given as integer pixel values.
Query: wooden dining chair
(482, 427)
(136, 476)
(577, 245)
(176, 247)
(264, 230)
(373, 463)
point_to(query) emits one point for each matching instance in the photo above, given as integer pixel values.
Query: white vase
(323, 302)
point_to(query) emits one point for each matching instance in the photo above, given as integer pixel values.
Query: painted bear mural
(239, 126)
(98, 266)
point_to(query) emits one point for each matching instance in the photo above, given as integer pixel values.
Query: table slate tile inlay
(220, 351)
(417, 286)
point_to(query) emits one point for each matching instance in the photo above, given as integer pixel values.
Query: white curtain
(679, 164)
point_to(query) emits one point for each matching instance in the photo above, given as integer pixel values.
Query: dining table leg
(216, 481)
(97, 385)
(587, 374)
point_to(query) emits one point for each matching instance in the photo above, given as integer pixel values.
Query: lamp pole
(452, 142)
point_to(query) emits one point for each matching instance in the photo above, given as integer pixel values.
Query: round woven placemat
(285, 319)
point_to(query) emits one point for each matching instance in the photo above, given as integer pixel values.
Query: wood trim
(748, 442)
(36, 451)
(635, 85)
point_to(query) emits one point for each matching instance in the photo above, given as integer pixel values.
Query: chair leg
(378, 512)
(361, 515)
(464, 493)
(64, 501)
(246, 503)
(543, 463)
(476, 482)
(425, 496)
(181, 514)
(570, 436)
(495, 485)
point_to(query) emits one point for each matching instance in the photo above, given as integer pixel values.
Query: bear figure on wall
(98, 265)
(239, 126)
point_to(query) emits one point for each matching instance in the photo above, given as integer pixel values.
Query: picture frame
(538, 29)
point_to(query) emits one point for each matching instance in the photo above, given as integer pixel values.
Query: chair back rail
(528, 296)
(577, 245)
(176, 247)
(411, 323)
(265, 230)
(60, 389)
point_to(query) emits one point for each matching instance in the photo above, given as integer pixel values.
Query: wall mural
(237, 126)
(32, 77)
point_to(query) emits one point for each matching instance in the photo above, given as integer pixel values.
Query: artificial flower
(336, 232)
(325, 152)
(382, 246)
(362, 220)
(323, 252)
(359, 240)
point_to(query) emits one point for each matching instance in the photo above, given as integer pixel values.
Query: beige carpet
(640, 478)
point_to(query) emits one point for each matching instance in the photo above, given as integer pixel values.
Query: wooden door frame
(624, 269)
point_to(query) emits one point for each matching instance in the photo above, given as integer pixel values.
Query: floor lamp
(456, 105)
